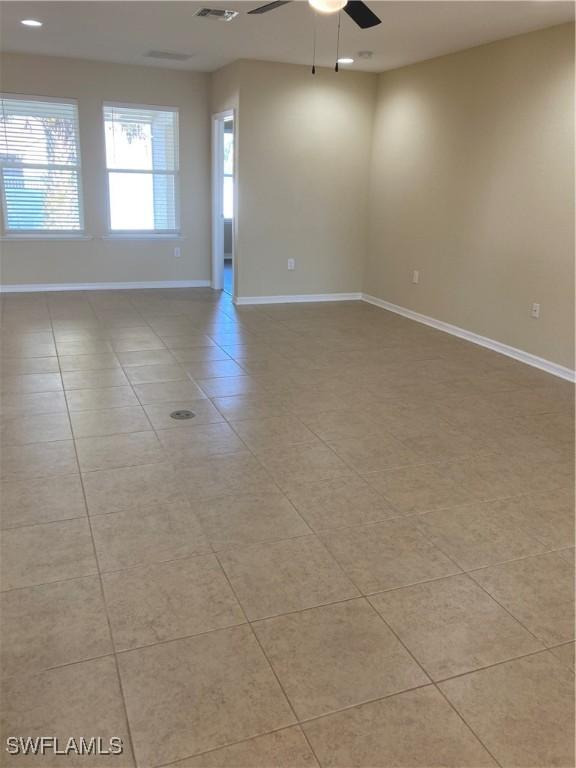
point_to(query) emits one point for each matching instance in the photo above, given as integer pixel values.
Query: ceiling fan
(357, 10)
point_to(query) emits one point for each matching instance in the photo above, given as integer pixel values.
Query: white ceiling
(125, 31)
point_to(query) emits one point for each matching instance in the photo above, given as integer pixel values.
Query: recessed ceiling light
(31, 23)
(346, 60)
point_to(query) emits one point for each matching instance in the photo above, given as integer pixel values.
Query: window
(40, 165)
(142, 163)
(228, 191)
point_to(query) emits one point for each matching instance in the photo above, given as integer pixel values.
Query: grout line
(105, 606)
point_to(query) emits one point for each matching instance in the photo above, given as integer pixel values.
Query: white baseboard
(298, 298)
(41, 287)
(475, 338)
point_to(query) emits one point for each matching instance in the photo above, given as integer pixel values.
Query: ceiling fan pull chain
(314, 42)
(338, 41)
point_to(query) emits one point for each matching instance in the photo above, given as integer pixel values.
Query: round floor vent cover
(182, 415)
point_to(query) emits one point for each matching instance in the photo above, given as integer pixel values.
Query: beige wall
(117, 260)
(303, 156)
(460, 167)
(472, 184)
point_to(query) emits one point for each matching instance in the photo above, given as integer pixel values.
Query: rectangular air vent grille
(168, 55)
(217, 13)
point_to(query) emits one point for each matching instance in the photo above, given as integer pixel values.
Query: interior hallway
(359, 552)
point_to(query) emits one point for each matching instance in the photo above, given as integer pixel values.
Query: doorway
(223, 203)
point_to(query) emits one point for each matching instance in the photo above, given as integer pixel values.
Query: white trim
(39, 287)
(297, 299)
(475, 338)
(218, 120)
(35, 238)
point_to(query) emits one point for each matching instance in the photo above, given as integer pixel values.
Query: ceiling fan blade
(361, 14)
(270, 6)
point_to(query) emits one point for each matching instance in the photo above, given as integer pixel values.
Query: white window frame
(144, 233)
(41, 234)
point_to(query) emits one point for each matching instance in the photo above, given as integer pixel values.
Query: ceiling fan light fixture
(327, 6)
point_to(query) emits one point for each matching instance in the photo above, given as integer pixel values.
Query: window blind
(40, 165)
(142, 163)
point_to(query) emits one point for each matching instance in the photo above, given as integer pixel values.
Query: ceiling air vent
(168, 55)
(217, 13)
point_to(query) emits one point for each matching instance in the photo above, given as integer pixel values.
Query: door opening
(223, 256)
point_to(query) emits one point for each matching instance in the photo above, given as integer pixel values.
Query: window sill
(20, 238)
(142, 236)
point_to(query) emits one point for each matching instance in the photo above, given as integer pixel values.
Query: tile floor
(359, 553)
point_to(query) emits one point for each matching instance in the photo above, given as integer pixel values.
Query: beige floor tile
(113, 451)
(213, 369)
(30, 382)
(78, 700)
(230, 385)
(226, 474)
(39, 554)
(89, 362)
(168, 392)
(112, 421)
(251, 406)
(568, 556)
(281, 749)
(375, 453)
(260, 435)
(43, 428)
(187, 341)
(39, 460)
(548, 516)
(274, 578)
(387, 555)
(41, 500)
(335, 656)
(148, 374)
(538, 591)
(147, 534)
(84, 347)
(522, 710)
(159, 602)
(100, 399)
(146, 357)
(565, 653)
(184, 446)
(199, 355)
(137, 344)
(443, 443)
(416, 489)
(452, 626)
(107, 377)
(477, 535)
(53, 624)
(28, 347)
(304, 463)
(339, 503)
(13, 366)
(204, 413)
(416, 729)
(243, 519)
(192, 695)
(343, 424)
(112, 490)
(14, 406)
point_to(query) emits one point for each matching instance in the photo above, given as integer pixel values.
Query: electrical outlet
(291, 265)
(177, 252)
(416, 276)
(535, 311)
